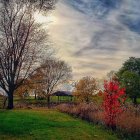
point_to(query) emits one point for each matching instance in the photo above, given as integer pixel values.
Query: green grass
(48, 125)
(138, 100)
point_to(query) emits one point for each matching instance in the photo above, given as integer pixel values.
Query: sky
(95, 36)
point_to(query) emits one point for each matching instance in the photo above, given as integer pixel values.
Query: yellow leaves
(85, 89)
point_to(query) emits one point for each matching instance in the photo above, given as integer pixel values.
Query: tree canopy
(85, 89)
(129, 76)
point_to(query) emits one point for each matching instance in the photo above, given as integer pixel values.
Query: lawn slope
(47, 125)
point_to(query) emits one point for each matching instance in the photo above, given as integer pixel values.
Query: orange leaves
(85, 89)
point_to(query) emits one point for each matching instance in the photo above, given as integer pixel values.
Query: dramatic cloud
(96, 36)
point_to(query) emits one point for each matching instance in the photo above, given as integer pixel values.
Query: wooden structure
(63, 94)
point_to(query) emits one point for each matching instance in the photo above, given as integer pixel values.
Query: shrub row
(127, 123)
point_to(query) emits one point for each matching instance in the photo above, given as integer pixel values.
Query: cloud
(129, 15)
(99, 8)
(96, 36)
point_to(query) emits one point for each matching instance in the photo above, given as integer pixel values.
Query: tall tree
(20, 37)
(131, 81)
(129, 76)
(52, 73)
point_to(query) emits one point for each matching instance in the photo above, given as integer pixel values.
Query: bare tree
(43, 5)
(20, 37)
(52, 73)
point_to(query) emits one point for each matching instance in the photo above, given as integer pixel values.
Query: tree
(113, 100)
(129, 76)
(23, 89)
(85, 89)
(43, 5)
(36, 82)
(52, 73)
(20, 37)
(131, 81)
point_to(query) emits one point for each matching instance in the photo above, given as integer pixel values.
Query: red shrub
(113, 99)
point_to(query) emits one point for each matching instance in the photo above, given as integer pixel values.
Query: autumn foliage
(113, 100)
(85, 89)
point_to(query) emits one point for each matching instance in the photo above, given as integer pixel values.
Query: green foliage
(132, 64)
(48, 125)
(129, 76)
(132, 81)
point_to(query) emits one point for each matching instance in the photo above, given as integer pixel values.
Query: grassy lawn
(138, 100)
(48, 125)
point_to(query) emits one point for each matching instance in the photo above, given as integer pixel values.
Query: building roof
(62, 93)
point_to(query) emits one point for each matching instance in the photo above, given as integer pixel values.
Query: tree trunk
(58, 99)
(87, 100)
(35, 95)
(71, 98)
(135, 101)
(48, 101)
(10, 101)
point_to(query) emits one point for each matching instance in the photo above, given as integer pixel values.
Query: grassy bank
(48, 125)
(127, 123)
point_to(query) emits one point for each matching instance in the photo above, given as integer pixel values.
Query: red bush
(113, 99)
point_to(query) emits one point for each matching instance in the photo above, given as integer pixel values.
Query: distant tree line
(128, 77)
